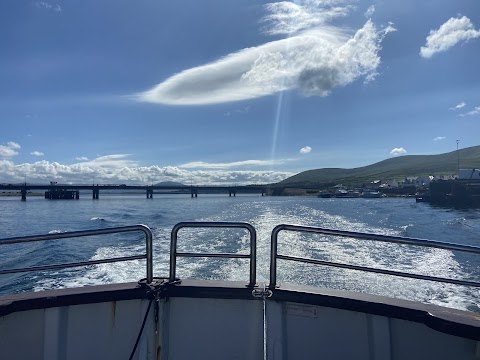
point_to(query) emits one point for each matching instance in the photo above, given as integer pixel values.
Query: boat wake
(426, 261)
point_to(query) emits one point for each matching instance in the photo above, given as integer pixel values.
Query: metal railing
(75, 234)
(253, 246)
(274, 255)
(364, 236)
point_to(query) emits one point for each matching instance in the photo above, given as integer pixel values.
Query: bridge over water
(61, 191)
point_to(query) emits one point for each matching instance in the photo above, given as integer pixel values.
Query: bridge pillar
(194, 192)
(77, 195)
(96, 193)
(24, 194)
(149, 193)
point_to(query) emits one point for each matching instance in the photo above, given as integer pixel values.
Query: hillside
(169, 183)
(395, 168)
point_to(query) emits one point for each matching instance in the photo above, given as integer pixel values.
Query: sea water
(391, 216)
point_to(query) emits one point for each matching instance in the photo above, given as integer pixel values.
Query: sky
(231, 92)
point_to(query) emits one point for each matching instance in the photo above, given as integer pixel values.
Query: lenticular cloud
(314, 59)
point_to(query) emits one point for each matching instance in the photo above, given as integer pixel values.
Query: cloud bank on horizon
(452, 32)
(118, 168)
(314, 59)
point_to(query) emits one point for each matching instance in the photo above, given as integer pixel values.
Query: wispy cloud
(458, 106)
(305, 150)
(438, 138)
(10, 149)
(398, 151)
(242, 110)
(473, 112)
(48, 6)
(37, 153)
(370, 11)
(81, 158)
(115, 169)
(315, 59)
(110, 161)
(450, 33)
(236, 164)
(286, 18)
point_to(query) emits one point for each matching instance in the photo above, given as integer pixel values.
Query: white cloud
(458, 106)
(305, 150)
(314, 59)
(48, 6)
(475, 111)
(37, 153)
(450, 33)
(204, 165)
(370, 11)
(438, 138)
(117, 169)
(9, 150)
(13, 145)
(398, 151)
(81, 158)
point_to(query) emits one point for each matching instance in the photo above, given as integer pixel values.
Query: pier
(54, 191)
(457, 193)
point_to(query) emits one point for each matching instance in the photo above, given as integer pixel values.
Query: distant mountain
(395, 168)
(169, 183)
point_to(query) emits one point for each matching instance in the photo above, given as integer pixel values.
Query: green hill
(395, 168)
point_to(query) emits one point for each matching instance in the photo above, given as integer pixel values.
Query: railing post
(149, 252)
(173, 252)
(253, 246)
(273, 256)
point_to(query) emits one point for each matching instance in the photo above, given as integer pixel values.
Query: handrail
(253, 246)
(364, 236)
(75, 234)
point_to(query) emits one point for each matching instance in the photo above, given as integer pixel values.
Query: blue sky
(215, 92)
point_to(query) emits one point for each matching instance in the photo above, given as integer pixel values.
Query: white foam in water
(127, 271)
(264, 217)
(56, 231)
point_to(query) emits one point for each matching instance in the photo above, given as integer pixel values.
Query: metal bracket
(262, 293)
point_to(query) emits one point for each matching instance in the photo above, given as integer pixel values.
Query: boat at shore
(343, 192)
(175, 318)
(372, 194)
